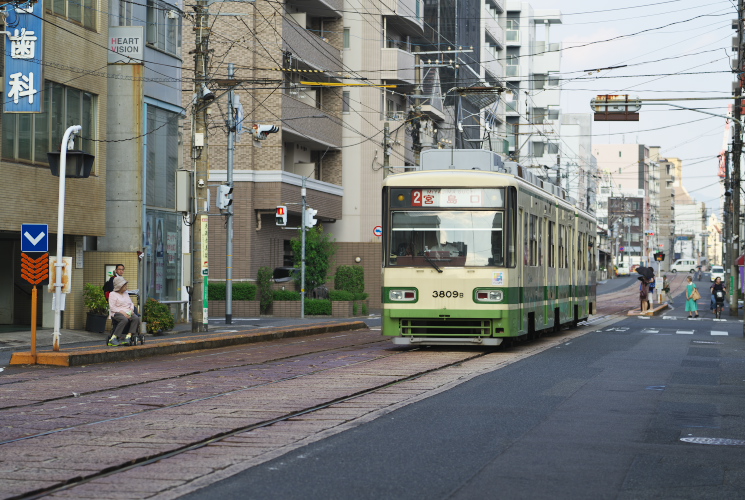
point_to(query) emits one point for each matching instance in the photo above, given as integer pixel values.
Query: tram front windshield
(446, 238)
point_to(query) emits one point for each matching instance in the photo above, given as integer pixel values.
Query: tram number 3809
(450, 294)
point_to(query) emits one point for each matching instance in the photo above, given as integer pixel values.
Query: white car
(717, 272)
(622, 269)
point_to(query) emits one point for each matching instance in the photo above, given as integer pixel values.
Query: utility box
(183, 190)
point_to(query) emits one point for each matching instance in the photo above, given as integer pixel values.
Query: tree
(319, 249)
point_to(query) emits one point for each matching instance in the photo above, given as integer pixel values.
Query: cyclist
(718, 291)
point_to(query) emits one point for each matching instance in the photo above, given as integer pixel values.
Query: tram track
(384, 364)
(143, 461)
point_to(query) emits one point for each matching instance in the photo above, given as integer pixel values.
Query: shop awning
(740, 261)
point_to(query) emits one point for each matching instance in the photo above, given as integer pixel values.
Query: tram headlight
(402, 295)
(489, 295)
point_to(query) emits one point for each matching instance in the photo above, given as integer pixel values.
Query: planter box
(241, 308)
(96, 323)
(286, 308)
(341, 308)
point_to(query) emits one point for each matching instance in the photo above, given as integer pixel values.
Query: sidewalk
(78, 347)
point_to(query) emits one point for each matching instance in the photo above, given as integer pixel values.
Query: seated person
(122, 310)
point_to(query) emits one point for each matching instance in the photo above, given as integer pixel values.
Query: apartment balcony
(319, 8)
(397, 66)
(310, 48)
(512, 71)
(512, 37)
(549, 97)
(547, 58)
(493, 28)
(490, 63)
(309, 126)
(499, 4)
(512, 107)
(406, 16)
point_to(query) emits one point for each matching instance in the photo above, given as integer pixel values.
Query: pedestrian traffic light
(659, 256)
(310, 217)
(224, 196)
(281, 215)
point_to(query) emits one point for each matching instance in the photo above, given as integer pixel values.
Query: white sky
(697, 45)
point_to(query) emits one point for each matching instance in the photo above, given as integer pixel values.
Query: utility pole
(304, 205)
(734, 246)
(199, 232)
(417, 122)
(386, 145)
(558, 170)
(229, 215)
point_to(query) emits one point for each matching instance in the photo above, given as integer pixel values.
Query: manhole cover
(717, 441)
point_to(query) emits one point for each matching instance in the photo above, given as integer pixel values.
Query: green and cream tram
(477, 251)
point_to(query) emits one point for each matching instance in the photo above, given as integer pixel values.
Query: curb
(88, 355)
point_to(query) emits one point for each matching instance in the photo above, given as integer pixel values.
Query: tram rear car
(474, 257)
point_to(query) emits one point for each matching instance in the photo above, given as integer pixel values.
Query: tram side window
(540, 241)
(533, 240)
(580, 251)
(591, 254)
(526, 245)
(551, 244)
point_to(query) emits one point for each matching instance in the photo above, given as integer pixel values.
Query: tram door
(523, 223)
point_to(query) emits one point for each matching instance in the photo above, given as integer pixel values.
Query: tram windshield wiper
(426, 257)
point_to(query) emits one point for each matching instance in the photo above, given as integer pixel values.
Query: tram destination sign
(448, 198)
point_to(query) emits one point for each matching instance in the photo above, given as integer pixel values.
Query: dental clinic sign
(126, 44)
(23, 58)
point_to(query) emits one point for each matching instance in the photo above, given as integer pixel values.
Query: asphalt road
(600, 416)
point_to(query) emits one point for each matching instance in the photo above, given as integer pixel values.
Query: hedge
(343, 295)
(241, 291)
(350, 279)
(317, 307)
(286, 295)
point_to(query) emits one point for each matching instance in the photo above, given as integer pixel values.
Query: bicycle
(719, 295)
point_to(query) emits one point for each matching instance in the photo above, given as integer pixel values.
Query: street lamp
(80, 166)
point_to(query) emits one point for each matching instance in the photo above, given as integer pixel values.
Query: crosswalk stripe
(718, 332)
(685, 332)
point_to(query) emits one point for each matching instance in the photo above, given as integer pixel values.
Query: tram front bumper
(490, 341)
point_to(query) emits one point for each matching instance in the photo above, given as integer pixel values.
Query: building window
(163, 26)
(345, 102)
(162, 157)
(346, 38)
(30, 136)
(125, 13)
(80, 11)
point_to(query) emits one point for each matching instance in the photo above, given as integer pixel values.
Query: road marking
(685, 332)
(669, 317)
(650, 330)
(718, 332)
(643, 317)
(720, 320)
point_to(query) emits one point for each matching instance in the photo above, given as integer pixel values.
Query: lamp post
(66, 139)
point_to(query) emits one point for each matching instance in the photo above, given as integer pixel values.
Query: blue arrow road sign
(34, 238)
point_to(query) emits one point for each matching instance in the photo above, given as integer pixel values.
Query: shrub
(350, 279)
(157, 316)
(317, 307)
(241, 291)
(286, 295)
(319, 249)
(95, 300)
(341, 295)
(264, 282)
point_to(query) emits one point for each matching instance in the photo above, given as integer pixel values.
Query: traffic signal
(260, 131)
(224, 196)
(310, 217)
(659, 256)
(281, 215)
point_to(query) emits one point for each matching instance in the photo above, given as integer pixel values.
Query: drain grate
(716, 441)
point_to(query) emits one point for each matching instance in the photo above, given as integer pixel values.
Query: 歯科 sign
(126, 44)
(24, 49)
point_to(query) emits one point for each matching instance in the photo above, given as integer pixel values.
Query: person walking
(691, 293)
(644, 294)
